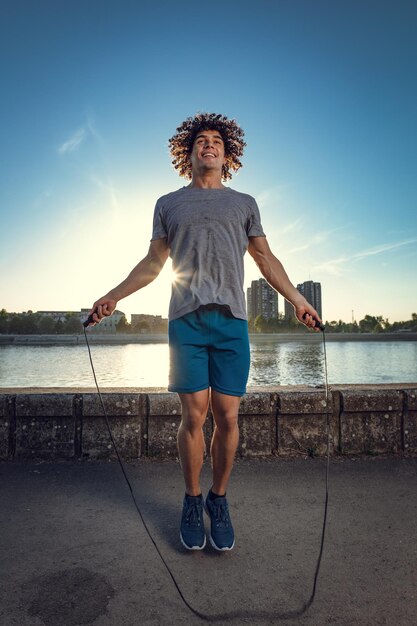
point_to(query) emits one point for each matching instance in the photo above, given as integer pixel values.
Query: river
(274, 362)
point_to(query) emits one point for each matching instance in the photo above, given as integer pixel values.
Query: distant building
(143, 323)
(249, 301)
(312, 293)
(288, 311)
(57, 316)
(262, 299)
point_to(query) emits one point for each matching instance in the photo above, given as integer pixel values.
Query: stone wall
(281, 421)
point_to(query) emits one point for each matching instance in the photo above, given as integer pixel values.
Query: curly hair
(181, 144)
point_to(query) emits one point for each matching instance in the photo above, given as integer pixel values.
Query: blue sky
(325, 91)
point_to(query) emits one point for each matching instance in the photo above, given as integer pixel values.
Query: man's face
(208, 151)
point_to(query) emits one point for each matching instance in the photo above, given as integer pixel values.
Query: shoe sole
(225, 549)
(213, 543)
(193, 547)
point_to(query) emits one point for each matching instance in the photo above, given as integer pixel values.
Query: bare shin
(225, 438)
(190, 438)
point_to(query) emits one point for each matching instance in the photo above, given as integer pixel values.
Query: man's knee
(194, 409)
(192, 421)
(225, 411)
(226, 420)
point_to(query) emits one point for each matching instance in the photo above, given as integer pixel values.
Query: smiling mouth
(209, 154)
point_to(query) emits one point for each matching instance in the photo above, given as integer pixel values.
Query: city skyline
(325, 93)
(283, 309)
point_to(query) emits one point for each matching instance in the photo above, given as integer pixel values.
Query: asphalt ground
(74, 550)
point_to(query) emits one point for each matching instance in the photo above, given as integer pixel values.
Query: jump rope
(231, 614)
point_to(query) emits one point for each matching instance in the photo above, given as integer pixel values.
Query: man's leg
(191, 439)
(223, 449)
(225, 438)
(191, 451)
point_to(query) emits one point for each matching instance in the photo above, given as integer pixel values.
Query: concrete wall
(283, 421)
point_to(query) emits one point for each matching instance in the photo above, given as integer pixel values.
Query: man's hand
(307, 315)
(102, 308)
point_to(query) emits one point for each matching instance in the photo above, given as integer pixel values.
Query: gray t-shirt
(207, 231)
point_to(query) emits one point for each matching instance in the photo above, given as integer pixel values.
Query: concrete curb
(281, 421)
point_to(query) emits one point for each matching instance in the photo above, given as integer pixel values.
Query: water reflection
(132, 365)
(286, 364)
(274, 362)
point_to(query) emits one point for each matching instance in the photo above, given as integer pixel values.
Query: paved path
(73, 550)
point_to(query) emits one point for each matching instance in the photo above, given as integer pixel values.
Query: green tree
(161, 326)
(24, 323)
(354, 328)
(386, 324)
(370, 324)
(340, 326)
(72, 324)
(274, 325)
(59, 327)
(260, 324)
(4, 321)
(16, 325)
(123, 325)
(294, 324)
(141, 327)
(30, 323)
(46, 325)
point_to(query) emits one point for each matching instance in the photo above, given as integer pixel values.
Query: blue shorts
(209, 348)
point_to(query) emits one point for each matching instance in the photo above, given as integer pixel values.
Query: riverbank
(122, 339)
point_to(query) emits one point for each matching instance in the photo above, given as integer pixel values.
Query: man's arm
(275, 274)
(144, 273)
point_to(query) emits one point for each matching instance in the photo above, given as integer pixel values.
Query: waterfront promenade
(121, 339)
(74, 550)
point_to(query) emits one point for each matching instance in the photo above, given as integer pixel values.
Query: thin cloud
(94, 132)
(73, 142)
(315, 240)
(272, 196)
(42, 197)
(299, 248)
(292, 226)
(110, 190)
(382, 248)
(335, 267)
(338, 266)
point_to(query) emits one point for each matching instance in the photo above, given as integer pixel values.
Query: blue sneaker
(192, 534)
(222, 536)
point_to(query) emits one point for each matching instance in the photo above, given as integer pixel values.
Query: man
(206, 229)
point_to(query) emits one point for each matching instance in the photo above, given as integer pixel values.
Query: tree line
(30, 323)
(369, 324)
